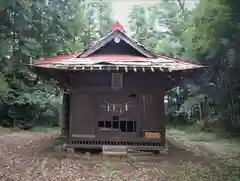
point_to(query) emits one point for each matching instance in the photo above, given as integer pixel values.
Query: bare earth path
(23, 156)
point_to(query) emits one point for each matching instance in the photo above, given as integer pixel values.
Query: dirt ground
(28, 156)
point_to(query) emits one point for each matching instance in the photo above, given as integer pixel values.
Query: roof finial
(117, 26)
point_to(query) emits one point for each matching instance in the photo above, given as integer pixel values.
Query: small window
(117, 80)
(108, 124)
(116, 125)
(132, 95)
(115, 118)
(101, 124)
(121, 126)
(130, 126)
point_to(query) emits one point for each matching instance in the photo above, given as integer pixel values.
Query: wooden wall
(87, 87)
(82, 114)
(137, 80)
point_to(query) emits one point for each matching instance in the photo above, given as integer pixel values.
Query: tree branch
(181, 4)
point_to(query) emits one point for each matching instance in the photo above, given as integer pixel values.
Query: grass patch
(199, 172)
(46, 129)
(192, 133)
(5, 131)
(223, 146)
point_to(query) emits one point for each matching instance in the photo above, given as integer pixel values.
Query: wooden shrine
(114, 92)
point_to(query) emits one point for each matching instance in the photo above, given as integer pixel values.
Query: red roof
(56, 59)
(113, 58)
(87, 58)
(119, 60)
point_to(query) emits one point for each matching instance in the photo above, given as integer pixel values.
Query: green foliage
(208, 28)
(207, 34)
(159, 27)
(214, 29)
(30, 30)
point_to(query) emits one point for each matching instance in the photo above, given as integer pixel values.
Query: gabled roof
(123, 36)
(87, 60)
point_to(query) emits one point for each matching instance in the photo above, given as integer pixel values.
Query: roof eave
(113, 67)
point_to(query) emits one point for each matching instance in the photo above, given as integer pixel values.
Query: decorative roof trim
(117, 26)
(117, 33)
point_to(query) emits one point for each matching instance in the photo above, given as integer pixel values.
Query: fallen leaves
(24, 156)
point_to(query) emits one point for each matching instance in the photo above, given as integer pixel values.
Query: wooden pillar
(64, 118)
(60, 117)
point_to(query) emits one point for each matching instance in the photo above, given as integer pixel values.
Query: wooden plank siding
(90, 90)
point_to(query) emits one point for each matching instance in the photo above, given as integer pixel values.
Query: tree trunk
(200, 111)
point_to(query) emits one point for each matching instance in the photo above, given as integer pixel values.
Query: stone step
(114, 150)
